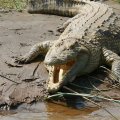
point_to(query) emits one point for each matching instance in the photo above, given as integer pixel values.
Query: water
(52, 111)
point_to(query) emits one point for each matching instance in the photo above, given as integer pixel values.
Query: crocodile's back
(98, 24)
(58, 7)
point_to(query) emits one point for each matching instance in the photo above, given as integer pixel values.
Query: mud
(23, 84)
(18, 32)
(50, 111)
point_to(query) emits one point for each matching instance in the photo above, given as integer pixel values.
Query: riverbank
(23, 84)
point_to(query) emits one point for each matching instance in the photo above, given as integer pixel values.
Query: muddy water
(51, 111)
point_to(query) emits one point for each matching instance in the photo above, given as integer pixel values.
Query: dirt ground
(18, 32)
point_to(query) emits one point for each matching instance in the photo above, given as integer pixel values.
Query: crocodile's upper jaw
(56, 75)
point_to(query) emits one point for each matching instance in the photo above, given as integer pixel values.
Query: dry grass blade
(36, 68)
(100, 91)
(92, 102)
(84, 95)
(75, 85)
(80, 86)
(114, 86)
(110, 72)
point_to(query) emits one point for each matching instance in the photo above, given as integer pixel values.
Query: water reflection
(52, 111)
(44, 111)
(75, 102)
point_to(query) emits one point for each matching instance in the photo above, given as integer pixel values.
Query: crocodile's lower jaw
(56, 75)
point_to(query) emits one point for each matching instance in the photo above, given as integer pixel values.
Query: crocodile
(89, 39)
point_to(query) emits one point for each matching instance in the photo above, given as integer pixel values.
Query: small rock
(51, 31)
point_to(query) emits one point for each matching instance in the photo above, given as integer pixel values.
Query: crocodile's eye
(71, 47)
(68, 49)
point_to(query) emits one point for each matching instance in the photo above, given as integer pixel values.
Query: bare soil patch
(18, 32)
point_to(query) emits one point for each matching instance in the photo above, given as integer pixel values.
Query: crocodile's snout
(49, 61)
(54, 61)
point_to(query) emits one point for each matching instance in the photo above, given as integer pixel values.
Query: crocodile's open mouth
(56, 75)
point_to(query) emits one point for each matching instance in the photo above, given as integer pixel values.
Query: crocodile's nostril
(50, 61)
(47, 61)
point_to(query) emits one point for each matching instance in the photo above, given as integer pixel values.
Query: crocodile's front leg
(112, 60)
(37, 49)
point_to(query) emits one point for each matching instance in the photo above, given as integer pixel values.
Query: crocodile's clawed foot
(5, 107)
(21, 60)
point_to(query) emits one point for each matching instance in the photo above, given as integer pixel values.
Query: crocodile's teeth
(56, 74)
(61, 74)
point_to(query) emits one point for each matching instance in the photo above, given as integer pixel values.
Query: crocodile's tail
(58, 7)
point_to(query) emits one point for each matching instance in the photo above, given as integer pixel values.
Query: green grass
(13, 4)
(17, 4)
(118, 1)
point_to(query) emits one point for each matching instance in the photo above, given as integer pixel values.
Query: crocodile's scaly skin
(89, 39)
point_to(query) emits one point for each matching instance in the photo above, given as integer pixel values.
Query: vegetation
(95, 95)
(118, 1)
(17, 4)
(13, 4)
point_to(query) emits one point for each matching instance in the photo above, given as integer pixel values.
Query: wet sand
(18, 32)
